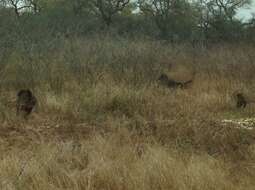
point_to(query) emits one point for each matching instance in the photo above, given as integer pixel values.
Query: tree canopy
(173, 20)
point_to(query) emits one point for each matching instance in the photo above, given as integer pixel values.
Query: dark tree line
(173, 20)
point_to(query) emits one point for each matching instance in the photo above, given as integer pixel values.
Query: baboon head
(163, 79)
(240, 101)
(25, 102)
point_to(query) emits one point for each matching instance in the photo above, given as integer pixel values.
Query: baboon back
(241, 101)
(170, 83)
(25, 102)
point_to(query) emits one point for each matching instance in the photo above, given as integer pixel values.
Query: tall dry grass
(103, 122)
(113, 163)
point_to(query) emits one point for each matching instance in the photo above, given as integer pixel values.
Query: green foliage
(176, 21)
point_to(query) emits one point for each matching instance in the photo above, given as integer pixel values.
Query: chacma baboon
(26, 101)
(240, 101)
(170, 83)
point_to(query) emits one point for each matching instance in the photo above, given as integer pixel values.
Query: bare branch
(108, 8)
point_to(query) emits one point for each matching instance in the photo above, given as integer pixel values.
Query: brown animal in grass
(170, 83)
(25, 103)
(241, 102)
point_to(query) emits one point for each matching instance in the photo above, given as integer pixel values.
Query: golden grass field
(103, 121)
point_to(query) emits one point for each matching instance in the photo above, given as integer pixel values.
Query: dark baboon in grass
(240, 101)
(26, 101)
(170, 83)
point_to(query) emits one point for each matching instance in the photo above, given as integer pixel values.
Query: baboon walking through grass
(26, 101)
(240, 101)
(170, 83)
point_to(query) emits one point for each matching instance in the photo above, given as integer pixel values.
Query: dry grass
(104, 123)
(114, 163)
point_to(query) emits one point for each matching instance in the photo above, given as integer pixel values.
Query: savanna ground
(103, 122)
